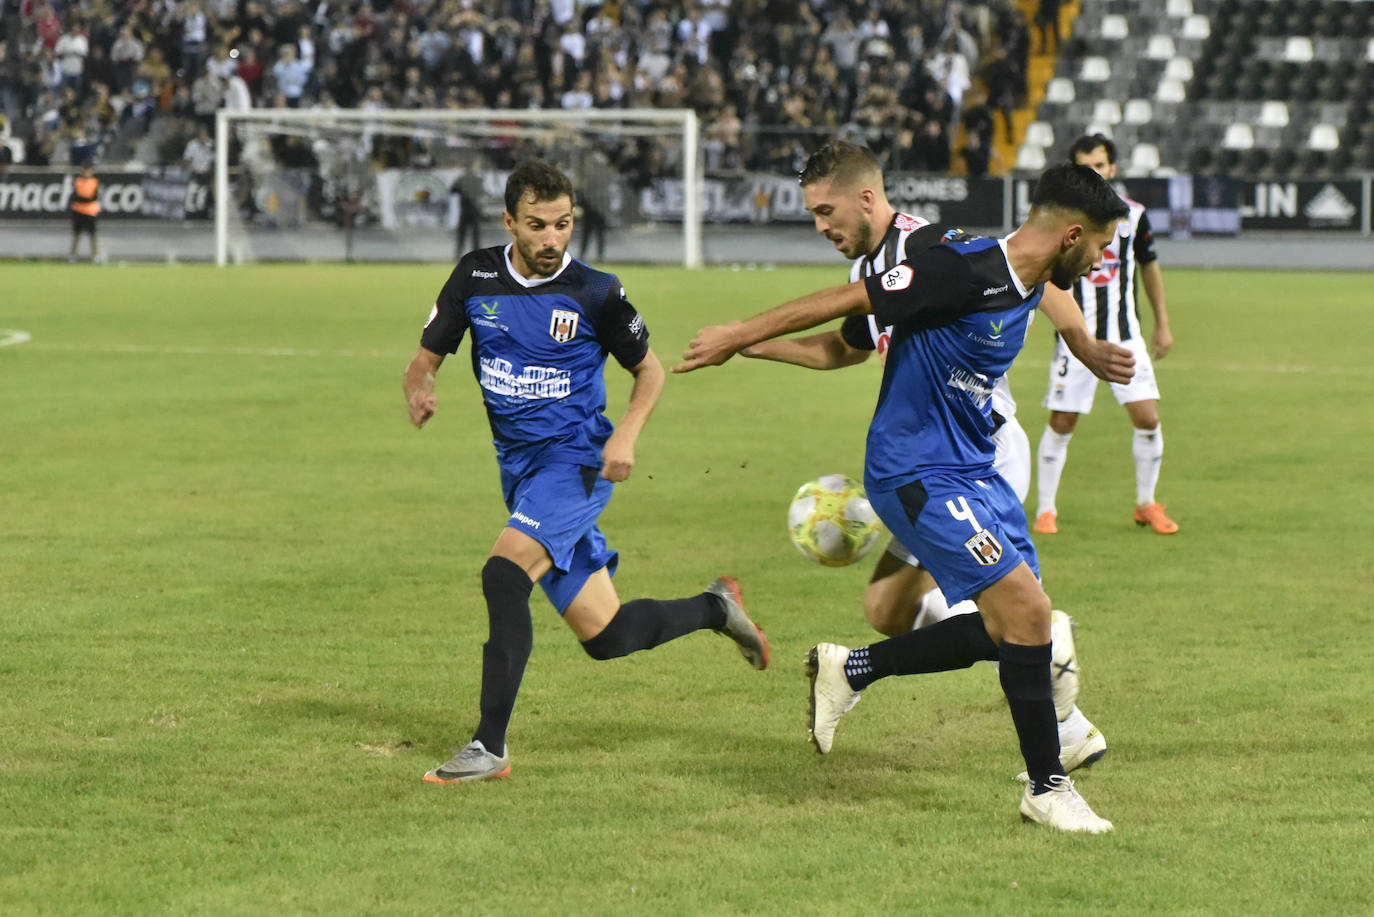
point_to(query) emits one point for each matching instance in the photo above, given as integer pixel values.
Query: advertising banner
(1307, 205)
(158, 194)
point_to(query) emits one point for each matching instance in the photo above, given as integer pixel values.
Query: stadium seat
(1369, 51)
(1107, 111)
(1298, 49)
(1144, 159)
(1030, 158)
(1197, 28)
(1039, 133)
(1098, 127)
(1161, 47)
(1323, 137)
(1114, 27)
(1273, 114)
(1238, 137)
(1059, 91)
(1170, 90)
(1179, 68)
(1179, 9)
(1138, 111)
(1095, 70)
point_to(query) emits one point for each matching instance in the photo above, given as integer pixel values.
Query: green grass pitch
(240, 615)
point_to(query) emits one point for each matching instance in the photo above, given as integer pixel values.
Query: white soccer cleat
(1063, 664)
(1086, 752)
(831, 695)
(1062, 808)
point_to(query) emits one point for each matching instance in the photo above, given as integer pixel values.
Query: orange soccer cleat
(1044, 524)
(1153, 516)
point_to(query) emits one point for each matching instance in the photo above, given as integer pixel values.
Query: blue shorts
(558, 505)
(968, 532)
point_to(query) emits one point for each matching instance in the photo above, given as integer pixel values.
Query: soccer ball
(831, 522)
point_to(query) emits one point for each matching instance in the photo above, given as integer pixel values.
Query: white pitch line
(190, 351)
(10, 336)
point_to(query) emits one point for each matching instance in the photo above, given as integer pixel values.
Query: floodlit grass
(241, 616)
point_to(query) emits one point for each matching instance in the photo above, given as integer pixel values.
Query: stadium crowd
(86, 80)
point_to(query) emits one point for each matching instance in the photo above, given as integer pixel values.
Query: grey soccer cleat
(831, 695)
(752, 642)
(473, 762)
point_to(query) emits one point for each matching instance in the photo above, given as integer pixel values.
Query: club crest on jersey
(906, 222)
(985, 549)
(899, 278)
(563, 325)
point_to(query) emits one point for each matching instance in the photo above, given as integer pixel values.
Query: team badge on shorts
(985, 549)
(563, 325)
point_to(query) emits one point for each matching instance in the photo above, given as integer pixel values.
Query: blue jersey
(959, 316)
(538, 352)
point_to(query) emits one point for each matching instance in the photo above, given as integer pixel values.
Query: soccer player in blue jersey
(959, 312)
(542, 324)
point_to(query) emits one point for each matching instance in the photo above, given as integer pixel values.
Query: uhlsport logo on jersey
(563, 325)
(1111, 266)
(985, 549)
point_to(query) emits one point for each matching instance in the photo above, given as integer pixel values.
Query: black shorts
(82, 222)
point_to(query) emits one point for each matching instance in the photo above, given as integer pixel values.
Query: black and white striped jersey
(1107, 296)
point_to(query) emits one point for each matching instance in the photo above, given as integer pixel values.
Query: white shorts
(1013, 462)
(1072, 385)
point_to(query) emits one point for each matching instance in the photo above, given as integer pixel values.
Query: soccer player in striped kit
(1107, 297)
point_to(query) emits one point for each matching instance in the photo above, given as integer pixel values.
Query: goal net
(427, 184)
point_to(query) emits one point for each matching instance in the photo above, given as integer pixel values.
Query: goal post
(347, 138)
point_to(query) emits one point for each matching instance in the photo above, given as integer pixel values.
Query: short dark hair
(842, 160)
(536, 178)
(1089, 142)
(1075, 187)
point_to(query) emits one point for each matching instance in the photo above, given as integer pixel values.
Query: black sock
(646, 623)
(1025, 674)
(510, 638)
(954, 643)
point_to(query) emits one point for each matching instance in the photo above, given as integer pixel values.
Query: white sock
(1074, 728)
(1148, 448)
(1050, 456)
(934, 609)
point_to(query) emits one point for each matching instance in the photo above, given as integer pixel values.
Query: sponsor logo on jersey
(1111, 266)
(485, 275)
(985, 548)
(993, 291)
(492, 308)
(534, 383)
(976, 385)
(637, 325)
(997, 328)
(563, 325)
(906, 222)
(433, 314)
(899, 278)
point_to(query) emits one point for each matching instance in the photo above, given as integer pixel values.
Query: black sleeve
(929, 236)
(857, 333)
(1144, 245)
(448, 321)
(929, 288)
(620, 328)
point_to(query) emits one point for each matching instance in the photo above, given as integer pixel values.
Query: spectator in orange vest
(85, 209)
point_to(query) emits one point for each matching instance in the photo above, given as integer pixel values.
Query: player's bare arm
(419, 386)
(1152, 276)
(1106, 360)
(827, 350)
(715, 344)
(618, 456)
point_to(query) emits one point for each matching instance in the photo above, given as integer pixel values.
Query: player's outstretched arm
(419, 385)
(618, 456)
(826, 350)
(715, 344)
(1106, 360)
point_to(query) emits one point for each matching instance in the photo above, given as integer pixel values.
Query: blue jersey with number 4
(959, 316)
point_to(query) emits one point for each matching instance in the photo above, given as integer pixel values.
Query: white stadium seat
(1274, 114)
(1298, 49)
(1115, 27)
(1138, 111)
(1197, 27)
(1060, 90)
(1324, 137)
(1238, 137)
(1170, 90)
(1180, 68)
(1030, 158)
(1098, 127)
(1107, 111)
(1161, 47)
(1144, 159)
(1178, 9)
(1369, 51)
(1039, 133)
(1095, 70)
